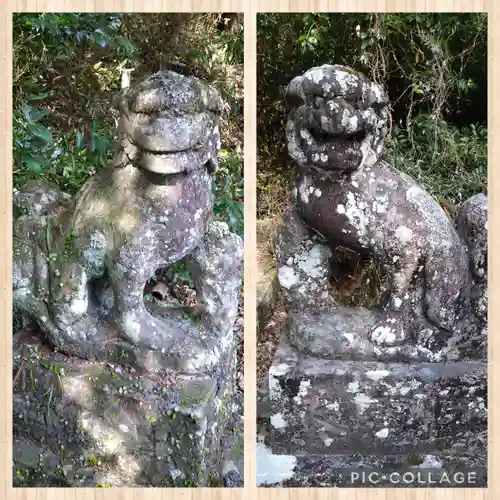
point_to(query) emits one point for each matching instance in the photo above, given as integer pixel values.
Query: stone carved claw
(80, 266)
(347, 195)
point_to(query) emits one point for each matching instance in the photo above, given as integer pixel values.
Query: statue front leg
(303, 265)
(395, 328)
(216, 268)
(129, 270)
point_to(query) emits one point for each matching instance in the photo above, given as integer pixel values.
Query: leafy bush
(67, 66)
(228, 190)
(433, 67)
(453, 168)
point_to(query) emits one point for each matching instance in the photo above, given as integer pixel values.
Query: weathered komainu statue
(400, 381)
(80, 269)
(351, 197)
(81, 266)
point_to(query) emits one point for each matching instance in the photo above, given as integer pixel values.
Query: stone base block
(90, 424)
(329, 407)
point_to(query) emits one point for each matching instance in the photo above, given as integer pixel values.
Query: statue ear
(119, 105)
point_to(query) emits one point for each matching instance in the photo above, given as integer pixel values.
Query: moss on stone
(414, 459)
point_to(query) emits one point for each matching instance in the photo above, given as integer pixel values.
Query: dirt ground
(268, 342)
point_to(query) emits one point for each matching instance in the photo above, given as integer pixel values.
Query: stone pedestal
(353, 414)
(116, 425)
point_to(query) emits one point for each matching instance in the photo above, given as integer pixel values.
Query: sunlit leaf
(40, 131)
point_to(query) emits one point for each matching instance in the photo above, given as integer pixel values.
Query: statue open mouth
(172, 162)
(338, 119)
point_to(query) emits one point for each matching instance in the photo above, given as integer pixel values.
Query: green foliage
(454, 167)
(433, 67)
(67, 66)
(182, 272)
(63, 159)
(228, 191)
(102, 485)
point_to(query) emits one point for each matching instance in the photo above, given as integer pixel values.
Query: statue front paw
(392, 332)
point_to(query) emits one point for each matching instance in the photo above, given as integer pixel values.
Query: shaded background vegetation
(434, 68)
(68, 66)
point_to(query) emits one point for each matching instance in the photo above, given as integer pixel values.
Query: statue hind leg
(447, 288)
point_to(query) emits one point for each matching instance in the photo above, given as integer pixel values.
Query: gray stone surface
(81, 266)
(472, 223)
(380, 408)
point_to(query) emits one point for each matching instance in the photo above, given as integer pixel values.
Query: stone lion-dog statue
(81, 264)
(348, 195)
